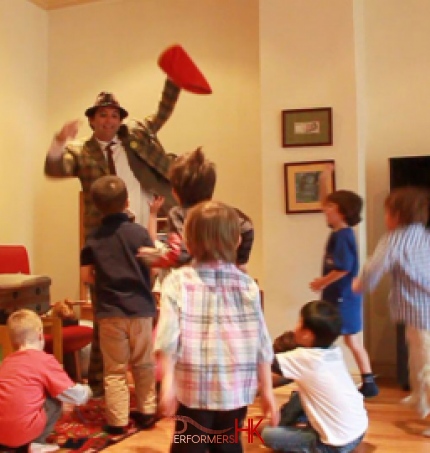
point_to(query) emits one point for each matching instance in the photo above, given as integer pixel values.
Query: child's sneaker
(115, 430)
(369, 389)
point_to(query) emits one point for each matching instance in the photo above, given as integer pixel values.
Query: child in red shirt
(32, 386)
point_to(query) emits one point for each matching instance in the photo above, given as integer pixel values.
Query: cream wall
(397, 73)
(368, 59)
(307, 60)
(23, 81)
(114, 46)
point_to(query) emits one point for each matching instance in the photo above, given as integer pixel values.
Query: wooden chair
(5, 344)
(51, 325)
(59, 340)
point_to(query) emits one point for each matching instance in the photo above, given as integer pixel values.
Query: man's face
(105, 123)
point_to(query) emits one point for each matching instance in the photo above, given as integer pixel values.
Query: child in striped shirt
(404, 252)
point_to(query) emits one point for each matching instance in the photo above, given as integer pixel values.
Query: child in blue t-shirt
(342, 209)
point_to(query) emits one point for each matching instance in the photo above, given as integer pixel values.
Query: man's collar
(103, 144)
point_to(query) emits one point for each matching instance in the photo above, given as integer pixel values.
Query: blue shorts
(351, 313)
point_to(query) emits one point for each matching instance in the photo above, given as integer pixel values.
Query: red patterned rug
(80, 429)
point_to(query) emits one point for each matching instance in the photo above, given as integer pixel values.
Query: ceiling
(56, 4)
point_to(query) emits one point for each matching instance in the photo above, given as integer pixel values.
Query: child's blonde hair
(212, 232)
(409, 204)
(25, 326)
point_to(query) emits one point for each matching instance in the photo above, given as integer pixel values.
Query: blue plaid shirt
(405, 254)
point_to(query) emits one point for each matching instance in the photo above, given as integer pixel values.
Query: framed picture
(302, 190)
(307, 127)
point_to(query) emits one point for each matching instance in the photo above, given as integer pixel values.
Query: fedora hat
(106, 99)
(182, 70)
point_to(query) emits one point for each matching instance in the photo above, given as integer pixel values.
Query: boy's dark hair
(349, 204)
(409, 204)
(212, 232)
(193, 178)
(323, 320)
(109, 194)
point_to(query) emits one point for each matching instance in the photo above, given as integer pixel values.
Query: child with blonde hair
(212, 337)
(32, 386)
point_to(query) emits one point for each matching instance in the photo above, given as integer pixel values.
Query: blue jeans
(301, 440)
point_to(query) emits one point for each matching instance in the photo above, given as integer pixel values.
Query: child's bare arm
(320, 283)
(168, 401)
(87, 274)
(268, 403)
(154, 207)
(357, 285)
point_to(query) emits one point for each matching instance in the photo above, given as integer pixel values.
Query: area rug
(80, 429)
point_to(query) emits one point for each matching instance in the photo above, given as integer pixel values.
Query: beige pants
(124, 342)
(419, 369)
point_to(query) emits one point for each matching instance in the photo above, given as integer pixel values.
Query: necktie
(111, 163)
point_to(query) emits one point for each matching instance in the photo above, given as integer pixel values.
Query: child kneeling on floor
(333, 406)
(32, 386)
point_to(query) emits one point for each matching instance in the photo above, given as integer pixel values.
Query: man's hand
(68, 131)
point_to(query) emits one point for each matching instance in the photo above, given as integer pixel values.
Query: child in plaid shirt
(193, 179)
(212, 338)
(404, 252)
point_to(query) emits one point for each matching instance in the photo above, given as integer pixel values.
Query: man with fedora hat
(132, 151)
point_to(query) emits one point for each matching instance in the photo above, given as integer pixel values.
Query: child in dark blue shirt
(342, 209)
(125, 307)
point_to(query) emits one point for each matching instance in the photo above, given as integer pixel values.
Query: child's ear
(239, 241)
(176, 196)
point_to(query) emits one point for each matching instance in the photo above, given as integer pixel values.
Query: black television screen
(410, 171)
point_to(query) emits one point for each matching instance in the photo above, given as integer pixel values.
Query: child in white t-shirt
(330, 399)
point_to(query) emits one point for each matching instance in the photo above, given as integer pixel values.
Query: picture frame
(302, 192)
(307, 127)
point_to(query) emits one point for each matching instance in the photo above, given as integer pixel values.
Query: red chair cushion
(74, 338)
(14, 259)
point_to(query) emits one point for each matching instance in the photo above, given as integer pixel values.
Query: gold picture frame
(307, 127)
(302, 185)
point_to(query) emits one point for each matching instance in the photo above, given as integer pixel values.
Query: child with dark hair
(334, 408)
(193, 178)
(404, 252)
(212, 338)
(342, 209)
(124, 307)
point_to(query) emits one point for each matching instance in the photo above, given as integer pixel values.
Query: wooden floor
(393, 428)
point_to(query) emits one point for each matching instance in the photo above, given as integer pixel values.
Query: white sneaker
(43, 448)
